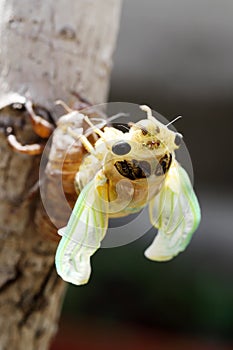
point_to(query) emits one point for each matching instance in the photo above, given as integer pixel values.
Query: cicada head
(154, 135)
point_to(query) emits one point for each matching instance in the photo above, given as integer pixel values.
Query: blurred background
(175, 56)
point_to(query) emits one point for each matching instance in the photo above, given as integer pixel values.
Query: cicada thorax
(134, 181)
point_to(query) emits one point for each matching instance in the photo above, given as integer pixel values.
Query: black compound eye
(121, 148)
(178, 139)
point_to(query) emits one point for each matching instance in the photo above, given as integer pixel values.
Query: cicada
(122, 173)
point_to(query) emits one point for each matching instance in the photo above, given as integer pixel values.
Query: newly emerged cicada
(122, 173)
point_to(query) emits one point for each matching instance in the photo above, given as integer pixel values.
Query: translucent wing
(176, 213)
(86, 228)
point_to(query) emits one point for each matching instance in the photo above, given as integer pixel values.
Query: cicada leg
(41, 126)
(86, 143)
(32, 149)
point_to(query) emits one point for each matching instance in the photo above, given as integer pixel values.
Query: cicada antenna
(174, 120)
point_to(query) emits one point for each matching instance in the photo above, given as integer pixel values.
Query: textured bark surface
(48, 50)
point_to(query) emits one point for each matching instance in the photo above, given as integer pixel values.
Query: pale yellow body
(125, 196)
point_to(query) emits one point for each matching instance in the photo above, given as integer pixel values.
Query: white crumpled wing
(175, 212)
(81, 238)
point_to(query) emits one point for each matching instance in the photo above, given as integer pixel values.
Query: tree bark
(48, 50)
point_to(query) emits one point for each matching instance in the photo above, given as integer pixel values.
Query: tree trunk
(48, 49)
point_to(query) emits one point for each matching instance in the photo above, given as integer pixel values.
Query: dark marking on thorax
(163, 165)
(133, 169)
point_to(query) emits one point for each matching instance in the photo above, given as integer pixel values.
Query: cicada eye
(178, 139)
(121, 148)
